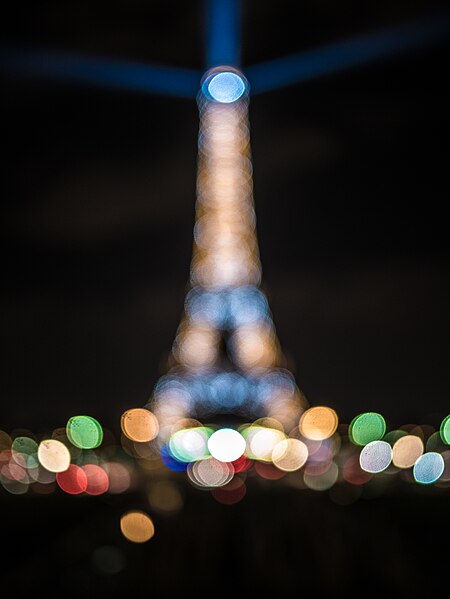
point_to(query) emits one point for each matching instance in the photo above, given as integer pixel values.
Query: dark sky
(350, 175)
(351, 185)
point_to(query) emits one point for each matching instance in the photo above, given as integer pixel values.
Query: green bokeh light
(445, 430)
(366, 428)
(27, 449)
(84, 432)
(190, 445)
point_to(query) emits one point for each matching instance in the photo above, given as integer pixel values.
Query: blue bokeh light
(429, 468)
(207, 307)
(225, 87)
(246, 306)
(170, 461)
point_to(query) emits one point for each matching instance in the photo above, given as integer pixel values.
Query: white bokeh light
(226, 445)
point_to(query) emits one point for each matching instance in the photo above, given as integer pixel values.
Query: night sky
(350, 185)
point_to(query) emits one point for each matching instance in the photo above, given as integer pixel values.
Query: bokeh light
(137, 526)
(428, 468)
(289, 454)
(406, 451)
(225, 87)
(232, 493)
(376, 456)
(53, 455)
(119, 477)
(226, 445)
(139, 424)
(323, 481)
(165, 497)
(190, 444)
(261, 442)
(269, 471)
(445, 430)
(24, 452)
(73, 480)
(210, 473)
(367, 427)
(353, 473)
(97, 479)
(84, 432)
(318, 423)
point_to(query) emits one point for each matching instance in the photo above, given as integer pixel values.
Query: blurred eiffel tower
(226, 359)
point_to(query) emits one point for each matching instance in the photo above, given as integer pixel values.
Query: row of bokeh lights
(70, 458)
(212, 456)
(318, 454)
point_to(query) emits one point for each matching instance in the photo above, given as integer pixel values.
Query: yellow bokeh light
(289, 455)
(137, 526)
(255, 346)
(139, 424)
(406, 451)
(261, 442)
(318, 423)
(165, 497)
(196, 347)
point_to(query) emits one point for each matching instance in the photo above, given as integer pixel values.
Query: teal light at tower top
(225, 87)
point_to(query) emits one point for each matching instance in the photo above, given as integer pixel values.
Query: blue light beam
(122, 75)
(223, 33)
(347, 54)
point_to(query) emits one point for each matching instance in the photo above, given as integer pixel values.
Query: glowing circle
(268, 471)
(366, 428)
(119, 477)
(24, 450)
(242, 464)
(289, 454)
(139, 424)
(261, 442)
(324, 481)
(375, 456)
(445, 430)
(231, 493)
(53, 455)
(84, 432)
(171, 462)
(137, 527)
(318, 423)
(428, 468)
(226, 445)
(211, 473)
(73, 481)
(189, 444)
(165, 497)
(226, 87)
(353, 473)
(406, 451)
(97, 479)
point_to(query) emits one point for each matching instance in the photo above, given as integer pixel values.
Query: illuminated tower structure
(226, 362)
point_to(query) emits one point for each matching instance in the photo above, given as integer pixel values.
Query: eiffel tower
(226, 361)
